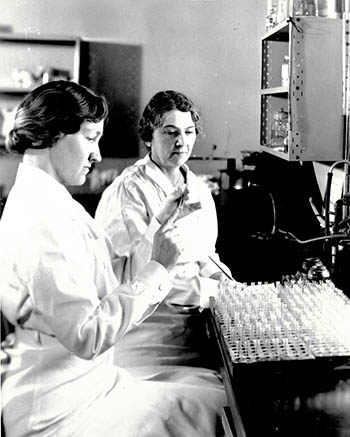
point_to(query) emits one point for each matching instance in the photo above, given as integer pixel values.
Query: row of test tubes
(291, 321)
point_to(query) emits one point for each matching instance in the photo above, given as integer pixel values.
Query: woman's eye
(170, 132)
(175, 133)
(90, 139)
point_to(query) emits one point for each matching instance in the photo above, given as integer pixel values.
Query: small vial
(299, 7)
(311, 7)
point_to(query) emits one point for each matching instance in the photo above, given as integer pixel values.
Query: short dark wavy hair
(159, 105)
(51, 111)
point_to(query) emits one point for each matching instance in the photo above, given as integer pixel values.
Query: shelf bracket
(296, 143)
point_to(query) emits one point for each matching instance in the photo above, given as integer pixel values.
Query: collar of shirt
(41, 182)
(155, 173)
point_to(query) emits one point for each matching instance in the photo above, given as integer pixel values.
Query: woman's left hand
(218, 276)
(171, 203)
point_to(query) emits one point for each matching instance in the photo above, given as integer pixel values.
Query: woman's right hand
(167, 242)
(171, 203)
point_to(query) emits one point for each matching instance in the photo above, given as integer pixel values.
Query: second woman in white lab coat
(131, 210)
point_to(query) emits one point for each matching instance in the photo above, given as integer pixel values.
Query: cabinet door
(114, 70)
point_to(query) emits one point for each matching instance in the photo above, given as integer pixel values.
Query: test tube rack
(299, 320)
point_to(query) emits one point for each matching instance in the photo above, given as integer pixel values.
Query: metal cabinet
(313, 96)
(107, 67)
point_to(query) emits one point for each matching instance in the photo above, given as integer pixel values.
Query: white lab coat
(59, 289)
(175, 334)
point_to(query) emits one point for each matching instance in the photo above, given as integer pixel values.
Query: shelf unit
(107, 67)
(28, 53)
(313, 99)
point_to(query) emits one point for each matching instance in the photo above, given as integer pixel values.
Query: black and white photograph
(175, 218)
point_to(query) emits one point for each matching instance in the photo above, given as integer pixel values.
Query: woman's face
(71, 157)
(173, 141)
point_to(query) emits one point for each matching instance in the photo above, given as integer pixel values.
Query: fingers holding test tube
(168, 243)
(172, 202)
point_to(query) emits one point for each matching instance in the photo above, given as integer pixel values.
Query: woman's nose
(180, 141)
(95, 156)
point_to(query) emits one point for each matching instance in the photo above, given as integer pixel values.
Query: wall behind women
(209, 49)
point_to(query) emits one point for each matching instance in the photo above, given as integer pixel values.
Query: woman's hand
(172, 201)
(218, 276)
(221, 277)
(168, 243)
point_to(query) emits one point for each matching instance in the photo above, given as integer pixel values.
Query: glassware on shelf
(285, 72)
(311, 7)
(271, 16)
(319, 8)
(298, 7)
(302, 7)
(279, 131)
(329, 8)
(282, 10)
(277, 11)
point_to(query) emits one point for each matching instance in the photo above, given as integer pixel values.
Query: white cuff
(157, 280)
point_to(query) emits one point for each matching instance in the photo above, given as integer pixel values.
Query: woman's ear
(148, 144)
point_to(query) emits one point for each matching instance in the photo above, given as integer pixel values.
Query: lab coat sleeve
(123, 213)
(69, 273)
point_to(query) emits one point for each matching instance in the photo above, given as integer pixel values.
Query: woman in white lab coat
(64, 296)
(131, 210)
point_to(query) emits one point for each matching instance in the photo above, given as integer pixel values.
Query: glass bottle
(311, 7)
(299, 7)
(279, 130)
(314, 270)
